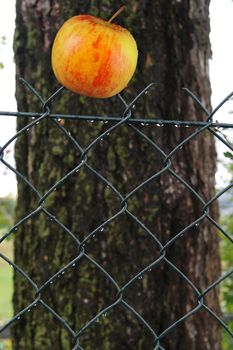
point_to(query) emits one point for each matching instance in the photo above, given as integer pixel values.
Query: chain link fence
(126, 118)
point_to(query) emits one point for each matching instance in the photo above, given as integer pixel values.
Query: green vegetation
(6, 283)
(5, 344)
(227, 265)
(6, 286)
(227, 285)
(7, 205)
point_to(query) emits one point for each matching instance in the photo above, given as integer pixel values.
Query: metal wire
(116, 121)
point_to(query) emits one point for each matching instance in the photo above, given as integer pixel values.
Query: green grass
(5, 344)
(6, 282)
(6, 289)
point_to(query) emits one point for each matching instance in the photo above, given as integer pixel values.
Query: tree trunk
(174, 49)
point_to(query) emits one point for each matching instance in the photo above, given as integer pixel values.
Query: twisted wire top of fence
(126, 118)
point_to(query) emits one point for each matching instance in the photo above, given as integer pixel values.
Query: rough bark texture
(174, 49)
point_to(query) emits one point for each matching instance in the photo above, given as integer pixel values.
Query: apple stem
(121, 9)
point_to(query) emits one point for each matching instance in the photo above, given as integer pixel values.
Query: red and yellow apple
(94, 57)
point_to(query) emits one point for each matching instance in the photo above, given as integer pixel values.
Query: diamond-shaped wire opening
(82, 289)
(122, 313)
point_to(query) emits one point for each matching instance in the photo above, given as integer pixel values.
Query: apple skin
(93, 57)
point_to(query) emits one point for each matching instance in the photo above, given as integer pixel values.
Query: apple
(94, 57)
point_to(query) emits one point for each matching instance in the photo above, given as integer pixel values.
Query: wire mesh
(125, 119)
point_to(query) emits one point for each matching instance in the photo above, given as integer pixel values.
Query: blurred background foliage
(226, 222)
(7, 206)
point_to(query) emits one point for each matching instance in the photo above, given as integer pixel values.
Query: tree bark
(174, 49)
